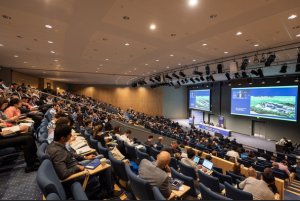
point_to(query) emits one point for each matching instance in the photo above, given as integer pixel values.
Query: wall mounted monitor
(266, 102)
(200, 99)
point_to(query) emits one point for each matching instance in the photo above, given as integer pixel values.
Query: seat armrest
(78, 192)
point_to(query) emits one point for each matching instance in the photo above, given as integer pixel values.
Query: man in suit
(171, 149)
(240, 94)
(108, 126)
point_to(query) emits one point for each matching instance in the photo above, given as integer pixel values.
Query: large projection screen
(266, 102)
(200, 99)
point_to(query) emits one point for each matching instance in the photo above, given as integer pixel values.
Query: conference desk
(214, 129)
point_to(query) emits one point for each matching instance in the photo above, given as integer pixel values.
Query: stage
(250, 142)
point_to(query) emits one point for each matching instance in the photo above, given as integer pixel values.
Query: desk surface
(75, 176)
(90, 152)
(179, 193)
(98, 169)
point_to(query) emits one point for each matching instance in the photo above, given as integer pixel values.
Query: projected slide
(200, 99)
(266, 102)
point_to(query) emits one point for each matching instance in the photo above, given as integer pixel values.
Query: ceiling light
(239, 33)
(100, 64)
(254, 72)
(297, 68)
(298, 35)
(225, 52)
(270, 60)
(16, 56)
(213, 16)
(152, 26)
(292, 17)
(204, 44)
(179, 64)
(50, 41)
(126, 44)
(1, 45)
(126, 18)
(6, 17)
(52, 52)
(55, 60)
(62, 68)
(244, 74)
(237, 75)
(244, 64)
(174, 75)
(44, 72)
(167, 66)
(181, 74)
(173, 34)
(125, 73)
(48, 26)
(33, 66)
(96, 71)
(129, 71)
(263, 81)
(256, 45)
(98, 68)
(157, 60)
(25, 62)
(106, 59)
(193, 2)
(194, 60)
(211, 78)
(283, 68)
(104, 39)
(227, 76)
(259, 71)
(171, 55)
(207, 70)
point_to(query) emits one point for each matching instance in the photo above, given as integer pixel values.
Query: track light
(270, 60)
(220, 68)
(260, 73)
(181, 74)
(193, 81)
(167, 76)
(249, 81)
(256, 60)
(178, 83)
(157, 78)
(197, 79)
(278, 80)
(186, 81)
(207, 78)
(227, 76)
(174, 75)
(263, 81)
(297, 68)
(195, 72)
(202, 78)
(144, 82)
(182, 81)
(244, 74)
(229, 83)
(236, 75)
(207, 70)
(283, 68)
(296, 79)
(211, 78)
(263, 59)
(172, 84)
(254, 72)
(244, 64)
(151, 80)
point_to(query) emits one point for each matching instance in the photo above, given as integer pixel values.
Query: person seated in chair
(172, 150)
(275, 168)
(149, 141)
(89, 126)
(236, 169)
(160, 140)
(67, 163)
(125, 138)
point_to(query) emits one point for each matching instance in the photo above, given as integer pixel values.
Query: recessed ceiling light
(239, 33)
(33, 66)
(55, 60)
(204, 44)
(173, 34)
(50, 41)
(125, 73)
(58, 65)
(52, 52)
(143, 74)
(126, 44)
(48, 26)
(292, 17)
(157, 60)
(100, 64)
(106, 59)
(96, 71)
(148, 73)
(44, 72)
(146, 64)
(126, 18)
(298, 35)
(129, 71)
(1, 45)
(134, 68)
(62, 68)
(256, 45)
(135, 77)
(192, 2)
(154, 70)
(20, 36)
(194, 60)
(179, 64)
(225, 52)
(152, 26)
(167, 66)
(104, 38)
(98, 68)
(171, 55)
(213, 16)
(6, 17)
(25, 62)
(16, 56)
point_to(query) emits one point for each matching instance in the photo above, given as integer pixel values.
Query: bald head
(251, 172)
(163, 159)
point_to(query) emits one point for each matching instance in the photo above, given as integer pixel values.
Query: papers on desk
(12, 129)
(83, 150)
(78, 144)
(26, 124)
(108, 138)
(139, 146)
(73, 131)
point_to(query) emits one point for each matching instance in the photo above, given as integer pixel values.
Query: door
(259, 129)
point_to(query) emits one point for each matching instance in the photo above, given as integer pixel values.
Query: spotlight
(178, 83)
(181, 74)
(244, 74)
(244, 64)
(237, 75)
(207, 78)
(254, 72)
(201, 78)
(283, 68)
(207, 70)
(297, 68)
(278, 80)
(167, 76)
(157, 78)
(220, 68)
(259, 71)
(250, 81)
(227, 76)
(195, 72)
(206, 85)
(197, 79)
(193, 81)
(263, 59)
(182, 81)
(172, 84)
(174, 75)
(229, 83)
(270, 60)
(211, 78)
(256, 60)
(151, 80)
(144, 82)
(186, 81)
(296, 79)
(263, 81)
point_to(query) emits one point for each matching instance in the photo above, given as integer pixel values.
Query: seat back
(187, 170)
(131, 150)
(237, 194)
(102, 150)
(87, 137)
(220, 154)
(173, 163)
(222, 177)
(193, 145)
(41, 153)
(278, 175)
(256, 153)
(258, 167)
(154, 152)
(141, 188)
(199, 148)
(227, 157)
(77, 126)
(159, 147)
(188, 181)
(207, 194)
(291, 158)
(210, 182)
(119, 167)
(6, 151)
(270, 153)
(234, 177)
(141, 155)
(157, 194)
(94, 143)
(48, 180)
(218, 169)
(52, 196)
(147, 148)
(152, 159)
(260, 150)
(43, 138)
(245, 163)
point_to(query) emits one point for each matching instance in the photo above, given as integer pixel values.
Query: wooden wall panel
(20, 78)
(144, 100)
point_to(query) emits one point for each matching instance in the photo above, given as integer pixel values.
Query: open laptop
(196, 159)
(208, 165)
(243, 156)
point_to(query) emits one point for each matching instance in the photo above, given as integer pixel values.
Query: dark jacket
(148, 143)
(168, 148)
(64, 162)
(100, 138)
(89, 129)
(108, 126)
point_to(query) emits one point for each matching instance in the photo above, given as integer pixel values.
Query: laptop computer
(196, 159)
(243, 156)
(208, 165)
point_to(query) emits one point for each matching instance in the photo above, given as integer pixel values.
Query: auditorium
(149, 100)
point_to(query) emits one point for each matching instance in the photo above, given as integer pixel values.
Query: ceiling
(89, 37)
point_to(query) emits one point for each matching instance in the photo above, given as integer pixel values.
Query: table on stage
(222, 131)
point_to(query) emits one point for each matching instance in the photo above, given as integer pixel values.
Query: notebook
(78, 144)
(92, 165)
(83, 150)
(139, 146)
(12, 129)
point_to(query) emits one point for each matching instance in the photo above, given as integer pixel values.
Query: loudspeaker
(233, 67)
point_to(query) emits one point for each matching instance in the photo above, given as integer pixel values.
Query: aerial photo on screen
(202, 102)
(278, 106)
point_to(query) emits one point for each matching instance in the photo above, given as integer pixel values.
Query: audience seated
(269, 178)
(276, 168)
(237, 170)
(233, 153)
(89, 126)
(160, 140)
(172, 149)
(149, 141)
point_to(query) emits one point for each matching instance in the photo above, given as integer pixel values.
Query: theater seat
(157, 193)
(207, 194)
(237, 194)
(41, 153)
(52, 196)
(7, 151)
